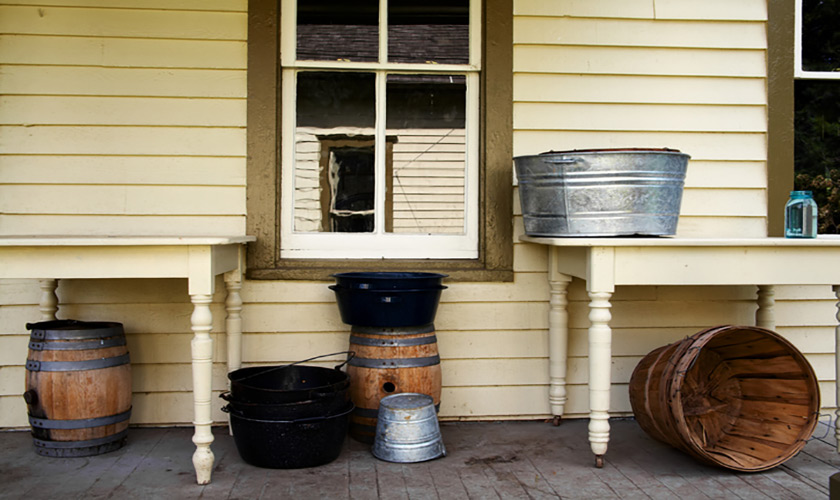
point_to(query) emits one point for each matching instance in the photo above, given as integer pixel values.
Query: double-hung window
(817, 106)
(380, 149)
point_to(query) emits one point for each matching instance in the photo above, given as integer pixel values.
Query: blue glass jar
(801, 215)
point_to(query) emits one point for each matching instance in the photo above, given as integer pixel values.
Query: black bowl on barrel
(388, 299)
(388, 280)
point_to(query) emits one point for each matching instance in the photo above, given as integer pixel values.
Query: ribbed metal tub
(407, 429)
(601, 192)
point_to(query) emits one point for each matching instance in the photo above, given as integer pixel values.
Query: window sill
(320, 270)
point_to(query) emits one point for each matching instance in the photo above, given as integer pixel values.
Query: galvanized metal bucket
(601, 192)
(407, 429)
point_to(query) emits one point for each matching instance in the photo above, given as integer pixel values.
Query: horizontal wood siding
(127, 117)
(122, 117)
(683, 75)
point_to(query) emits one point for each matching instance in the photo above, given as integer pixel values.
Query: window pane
(817, 147)
(426, 119)
(334, 152)
(422, 31)
(821, 35)
(329, 30)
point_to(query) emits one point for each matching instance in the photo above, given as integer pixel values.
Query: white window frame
(380, 244)
(798, 71)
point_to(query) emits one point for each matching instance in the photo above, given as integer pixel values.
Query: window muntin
(424, 131)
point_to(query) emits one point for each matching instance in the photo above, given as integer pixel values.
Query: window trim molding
(495, 248)
(780, 110)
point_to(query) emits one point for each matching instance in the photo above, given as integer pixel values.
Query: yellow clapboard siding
(13, 412)
(806, 313)
(494, 372)
(123, 200)
(111, 22)
(133, 141)
(688, 226)
(723, 227)
(638, 61)
(19, 292)
(701, 146)
(639, 33)
(743, 10)
(13, 380)
(172, 378)
(102, 225)
(94, 81)
(14, 349)
(638, 118)
(171, 408)
(542, 87)
(710, 202)
(85, 110)
(586, 8)
(754, 10)
(127, 170)
(218, 5)
(138, 318)
(725, 174)
(122, 52)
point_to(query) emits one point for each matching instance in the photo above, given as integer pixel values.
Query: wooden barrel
(739, 397)
(78, 387)
(390, 361)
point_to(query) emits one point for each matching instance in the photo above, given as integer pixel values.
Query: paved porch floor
(484, 460)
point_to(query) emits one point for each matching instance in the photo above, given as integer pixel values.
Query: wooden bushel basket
(739, 397)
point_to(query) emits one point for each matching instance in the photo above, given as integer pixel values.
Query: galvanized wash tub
(601, 192)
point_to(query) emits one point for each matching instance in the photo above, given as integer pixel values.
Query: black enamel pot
(286, 384)
(290, 444)
(322, 404)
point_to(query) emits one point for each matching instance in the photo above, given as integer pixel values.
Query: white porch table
(609, 262)
(198, 259)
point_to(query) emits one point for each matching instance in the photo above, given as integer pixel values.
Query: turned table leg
(765, 315)
(48, 305)
(233, 324)
(558, 343)
(202, 365)
(600, 353)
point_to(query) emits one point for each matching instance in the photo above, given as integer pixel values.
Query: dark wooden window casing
(495, 252)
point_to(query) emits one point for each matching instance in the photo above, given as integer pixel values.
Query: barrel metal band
(395, 362)
(78, 346)
(74, 366)
(85, 333)
(82, 423)
(81, 444)
(392, 341)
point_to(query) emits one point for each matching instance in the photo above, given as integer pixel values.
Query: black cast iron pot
(290, 444)
(288, 383)
(321, 404)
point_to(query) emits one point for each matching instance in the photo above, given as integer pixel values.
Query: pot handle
(226, 396)
(350, 355)
(297, 362)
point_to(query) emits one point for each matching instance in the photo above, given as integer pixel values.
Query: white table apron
(198, 259)
(609, 262)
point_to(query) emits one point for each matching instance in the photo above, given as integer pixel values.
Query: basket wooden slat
(739, 397)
